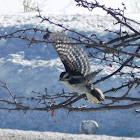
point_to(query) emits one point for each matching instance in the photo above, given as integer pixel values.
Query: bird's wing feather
(74, 59)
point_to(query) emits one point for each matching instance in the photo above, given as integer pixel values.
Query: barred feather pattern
(73, 57)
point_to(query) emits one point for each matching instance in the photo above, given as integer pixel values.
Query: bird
(77, 76)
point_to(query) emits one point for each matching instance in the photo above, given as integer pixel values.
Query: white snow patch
(8, 134)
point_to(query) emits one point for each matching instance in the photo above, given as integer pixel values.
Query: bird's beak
(61, 79)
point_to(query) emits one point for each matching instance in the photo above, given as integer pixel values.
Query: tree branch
(119, 69)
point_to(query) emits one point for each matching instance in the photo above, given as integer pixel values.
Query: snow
(7, 134)
(65, 7)
(38, 67)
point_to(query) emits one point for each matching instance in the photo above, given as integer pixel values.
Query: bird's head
(64, 76)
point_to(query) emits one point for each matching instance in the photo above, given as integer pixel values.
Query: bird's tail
(95, 96)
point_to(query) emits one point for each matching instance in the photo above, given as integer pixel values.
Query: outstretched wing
(74, 59)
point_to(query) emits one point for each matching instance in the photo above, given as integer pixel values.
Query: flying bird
(77, 76)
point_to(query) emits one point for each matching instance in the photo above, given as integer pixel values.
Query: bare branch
(103, 108)
(122, 48)
(116, 15)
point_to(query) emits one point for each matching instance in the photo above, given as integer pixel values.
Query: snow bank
(7, 134)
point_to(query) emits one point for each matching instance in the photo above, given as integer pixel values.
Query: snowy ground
(25, 69)
(7, 134)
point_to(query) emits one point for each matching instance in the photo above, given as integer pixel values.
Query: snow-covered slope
(7, 134)
(25, 69)
(65, 6)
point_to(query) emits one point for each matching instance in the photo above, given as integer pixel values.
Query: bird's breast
(79, 88)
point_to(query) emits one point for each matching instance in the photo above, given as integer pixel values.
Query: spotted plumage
(77, 76)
